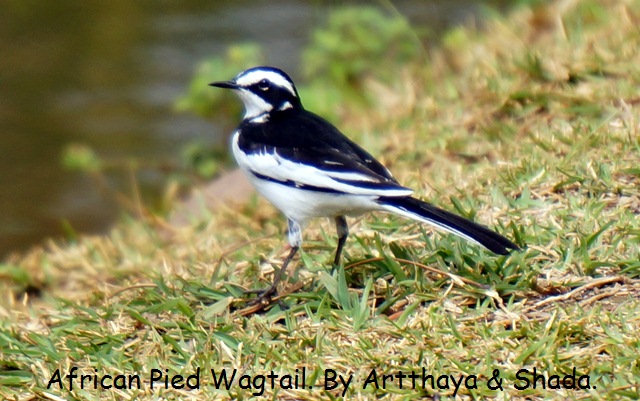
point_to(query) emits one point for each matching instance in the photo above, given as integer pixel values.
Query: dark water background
(106, 74)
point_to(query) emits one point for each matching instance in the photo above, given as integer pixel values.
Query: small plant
(356, 44)
(202, 160)
(200, 99)
(360, 42)
(81, 157)
(354, 307)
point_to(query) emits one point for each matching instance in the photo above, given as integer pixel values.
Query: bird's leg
(343, 231)
(295, 239)
(273, 288)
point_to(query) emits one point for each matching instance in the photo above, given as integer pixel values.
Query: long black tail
(422, 211)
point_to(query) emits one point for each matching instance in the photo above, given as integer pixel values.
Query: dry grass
(530, 126)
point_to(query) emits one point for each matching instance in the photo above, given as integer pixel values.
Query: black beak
(225, 84)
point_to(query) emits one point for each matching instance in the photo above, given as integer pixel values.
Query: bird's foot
(264, 297)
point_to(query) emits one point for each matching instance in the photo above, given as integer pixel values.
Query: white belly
(302, 205)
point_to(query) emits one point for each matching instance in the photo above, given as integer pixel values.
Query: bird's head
(263, 90)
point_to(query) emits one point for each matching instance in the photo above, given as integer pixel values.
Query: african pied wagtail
(307, 168)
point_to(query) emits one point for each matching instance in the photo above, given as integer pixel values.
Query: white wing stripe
(280, 169)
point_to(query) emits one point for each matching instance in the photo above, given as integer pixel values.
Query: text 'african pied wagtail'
(307, 168)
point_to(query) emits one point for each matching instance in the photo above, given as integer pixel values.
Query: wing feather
(302, 149)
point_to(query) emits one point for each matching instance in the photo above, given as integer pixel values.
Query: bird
(308, 169)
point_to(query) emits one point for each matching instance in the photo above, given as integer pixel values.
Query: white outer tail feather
(422, 219)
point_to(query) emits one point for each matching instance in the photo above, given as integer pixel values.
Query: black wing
(304, 138)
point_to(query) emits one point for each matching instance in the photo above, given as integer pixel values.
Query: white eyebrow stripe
(254, 77)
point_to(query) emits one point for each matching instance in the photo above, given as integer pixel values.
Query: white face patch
(253, 77)
(254, 105)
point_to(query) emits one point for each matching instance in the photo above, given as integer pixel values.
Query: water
(106, 74)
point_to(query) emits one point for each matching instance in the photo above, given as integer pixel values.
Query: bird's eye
(263, 85)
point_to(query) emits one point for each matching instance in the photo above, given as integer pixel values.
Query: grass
(529, 125)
